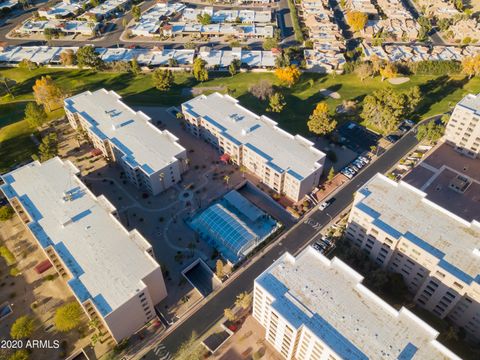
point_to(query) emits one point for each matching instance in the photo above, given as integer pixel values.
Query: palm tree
(243, 169)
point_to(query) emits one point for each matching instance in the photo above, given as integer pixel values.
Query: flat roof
(107, 261)
(130, 131)
(327, 297)
(282, 151)
(404, 211)
(471, 102)
(438, 170)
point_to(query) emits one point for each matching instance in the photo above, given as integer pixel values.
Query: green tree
(94, 3)
(320, 122)
(234, 66)
(48, 148)
(244, 300)
(229, 314)
(219, 270)
(190, 349)
(136, 13)
(68, 316)
(7, 255)
(383, 109)
(204, 19)
(21, 354)
(134, 67)
(331, 174)
(35, 115)
(270, 43)
(172, 62)
(22, 327)
(276, 102)
(163, 79)
(199, 70)
(6, 212)
(431, 132)
(86, 56)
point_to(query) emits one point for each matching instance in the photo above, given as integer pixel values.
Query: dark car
(393, 138)
(404, 128)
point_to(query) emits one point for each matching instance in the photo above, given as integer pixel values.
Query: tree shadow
(436, 89)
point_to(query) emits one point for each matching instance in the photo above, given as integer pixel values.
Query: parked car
(393, 138)
(365, 159)
(409, 122)
(358, 164)
(326, 204)
(347, 173)
(404, 128)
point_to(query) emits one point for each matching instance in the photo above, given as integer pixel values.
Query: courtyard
(37, 294)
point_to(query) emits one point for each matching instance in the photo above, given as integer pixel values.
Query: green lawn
(440, 94)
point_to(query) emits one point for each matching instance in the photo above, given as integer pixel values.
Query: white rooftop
(472, 102)
(407, 212)
(229, 15)
(108, 263)
(259, 133)
(223, 58)
(327, 297)
(107, 7)
(131, 132)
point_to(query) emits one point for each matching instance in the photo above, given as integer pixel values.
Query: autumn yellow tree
(356, 20)
(47, 93)
(320, 122)
(288, 75)
(471, 66)
(389, 71)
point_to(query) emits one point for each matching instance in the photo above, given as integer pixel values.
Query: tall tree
(261, 90)
(288, 75)
(136, 13)
(219, 269)
(471, 66)
(134, 67)
(320, 122)
(190, 349)
(68, 316)
(204, 19)
(234, 66)
(163, 79)
(356, 20)
(244, 300)
(86, 56)
(389, 71)
(431, 132)
(364, 70)
(383, 109)
(276, 102)
(35, 115)
(199, 70)
(22, 327)
(47, 93)
(48, 148)
(67, 57)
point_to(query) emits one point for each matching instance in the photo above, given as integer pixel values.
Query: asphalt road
(296, 240)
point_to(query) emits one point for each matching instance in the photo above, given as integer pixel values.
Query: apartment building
(111, 271)
(152, 159)
(436, 251)
(463, 128)
(314, 308)
(287, 164)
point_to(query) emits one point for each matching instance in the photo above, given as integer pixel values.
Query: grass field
(440, 94)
